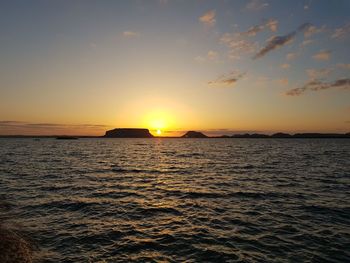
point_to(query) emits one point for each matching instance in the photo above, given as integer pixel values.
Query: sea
(177, 200)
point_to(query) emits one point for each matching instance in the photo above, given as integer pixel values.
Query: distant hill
(253, 135)
(297, 135)
(194, 134)
(281, 135)
(128, 133)
(321, 135)
(144, 133)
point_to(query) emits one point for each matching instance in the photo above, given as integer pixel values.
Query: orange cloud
(291, 56)
(318, 73)
(312, 30)
(228, 80)
(285, 66)
(341, 32)
(211, 56)
(322, 55)
(343, 66)
(130, 34)
(208, 18)
(317, 85)
(257, 5)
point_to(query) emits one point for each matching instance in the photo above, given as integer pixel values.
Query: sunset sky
(222, 67)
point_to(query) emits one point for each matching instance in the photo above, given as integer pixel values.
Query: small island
(194, 134)
(128, 133)
(66, 137)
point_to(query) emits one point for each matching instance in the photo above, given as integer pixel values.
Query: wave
(166, 201)
(155, 211)
(168, 170)
(238, 194)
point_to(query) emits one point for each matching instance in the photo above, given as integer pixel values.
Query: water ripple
(170, 200)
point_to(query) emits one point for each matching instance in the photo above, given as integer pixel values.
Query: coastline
(237, 136)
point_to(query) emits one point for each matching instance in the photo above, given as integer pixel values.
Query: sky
(221, 67)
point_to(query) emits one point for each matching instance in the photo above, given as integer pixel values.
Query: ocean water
(178, 200)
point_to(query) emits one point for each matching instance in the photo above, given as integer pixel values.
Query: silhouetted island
(281, 135)
(66, 137)
(128, 133)
(144, 133)
(194, 134)
(247, 135)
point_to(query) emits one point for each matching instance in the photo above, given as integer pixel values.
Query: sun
(159, 120)
(157, 124)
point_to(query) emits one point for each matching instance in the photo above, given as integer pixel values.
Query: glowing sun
(158, 120)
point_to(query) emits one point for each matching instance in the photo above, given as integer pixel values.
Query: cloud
(283, 81)
(211, 56)
(48, 125)
(208, 18)
(279, 41)
(256, 5)
(268, 81)
(285, 66)
(341, 32)
(11, 122)
(274, 43)
(322, 55)
(200, 59)
(21, 127)
(271, 24)
(306, 42)
(45, 125)
(252, 31)
(312, 30)
(318, 73)
(262, 79)
(228, 80)
(308, 5)
(238, 45)
(291, 56)
(317, 85)
(343, 66)
(130, 34)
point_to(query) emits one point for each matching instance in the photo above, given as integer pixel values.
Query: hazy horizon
(66, 130)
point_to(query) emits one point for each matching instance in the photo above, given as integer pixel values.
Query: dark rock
(194, 134)
(128, 133)
(321, 135)
(247, 135)
(14, 248)
(67, 138)
(224, 136)
(281, 135)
